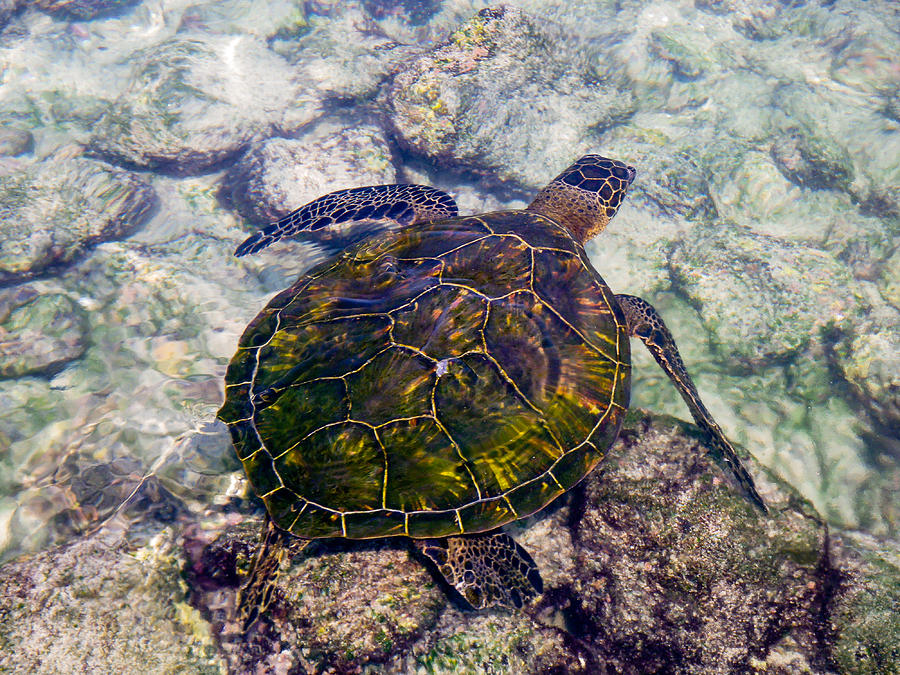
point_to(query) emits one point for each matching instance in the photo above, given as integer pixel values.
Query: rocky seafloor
(142, 141)
(653, 564)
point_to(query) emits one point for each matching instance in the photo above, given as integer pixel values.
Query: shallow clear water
(763, 223)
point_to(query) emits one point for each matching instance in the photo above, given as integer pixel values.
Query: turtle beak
(631, 174)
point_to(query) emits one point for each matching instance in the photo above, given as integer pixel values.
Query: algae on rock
(479, 101)
(665, 568)
(39, 333)
(95, 606)
(655, 563)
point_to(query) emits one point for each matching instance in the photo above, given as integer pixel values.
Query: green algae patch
(672, 561)
(499, 643)
(866, 616)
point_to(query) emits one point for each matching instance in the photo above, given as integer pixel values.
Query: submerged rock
(336, 608)
(481, 100)
(88, 492)
(674, 573)
(653, 564)
(673, 184)
(276, 177)
(83, 9)
(491, 642)
(687, 53)
(281, 174)
(865, 618)
(53, 211)
(756, 189)
(193, 103)
(96, 606)
(869, 60)
(39, 333)
(7, 9)
(15, 142)
(788, 292)
(349, 56)
(868, 356)
(892, 105)
(269, 20)
(811, 161)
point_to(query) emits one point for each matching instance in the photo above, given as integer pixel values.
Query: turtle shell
(444, 378)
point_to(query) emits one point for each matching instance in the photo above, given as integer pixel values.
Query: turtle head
(584, 197)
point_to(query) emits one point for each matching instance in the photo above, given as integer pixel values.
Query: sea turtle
(444, 378)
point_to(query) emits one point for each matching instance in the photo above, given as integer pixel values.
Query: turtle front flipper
(486, 569)
(645, 323)
(256, 594)
(403, 204)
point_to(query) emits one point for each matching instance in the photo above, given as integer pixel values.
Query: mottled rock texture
(868, 357)
(53, 211)
(653, 564)
(83, 9)
(810, 161)
(484, 96)
(786, 290)
(191, 104)
(349, 56)
(97, 607)
(15, 142)
(39, 333)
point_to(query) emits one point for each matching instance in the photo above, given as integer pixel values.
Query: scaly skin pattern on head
(584, 197)
(403, 204)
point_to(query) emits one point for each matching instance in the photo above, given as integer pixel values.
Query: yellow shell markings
(484, 350)
(505, 499)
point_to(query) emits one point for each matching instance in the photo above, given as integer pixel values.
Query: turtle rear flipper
(256, 594)
(401, 203)
(645, 323)
(486, 569)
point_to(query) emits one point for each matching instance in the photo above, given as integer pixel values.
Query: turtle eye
(388, 271)
(265, 398)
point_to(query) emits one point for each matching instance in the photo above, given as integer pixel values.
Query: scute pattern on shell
(445, 378)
